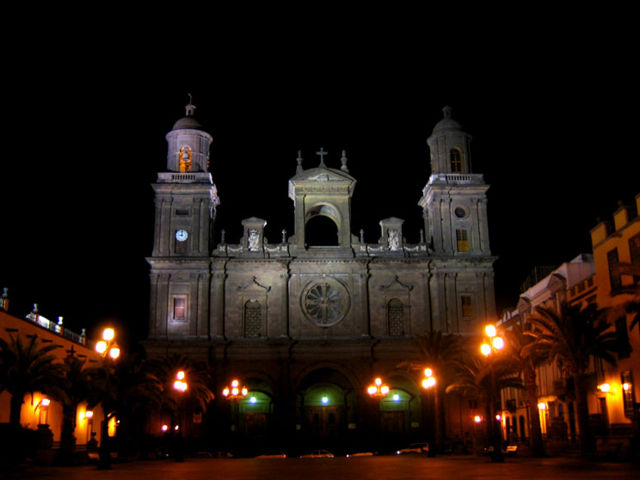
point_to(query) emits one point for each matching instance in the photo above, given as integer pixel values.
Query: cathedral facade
(307, 327)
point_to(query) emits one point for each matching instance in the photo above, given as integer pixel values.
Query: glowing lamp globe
(490, 331)
(101, 347)
(108, 334)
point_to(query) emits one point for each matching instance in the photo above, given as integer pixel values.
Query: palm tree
(28, 367)
(527, 355)
(482, 378)
(437, 352)
(126, 389)
(198, 394)
(573, 336)
(78, 389)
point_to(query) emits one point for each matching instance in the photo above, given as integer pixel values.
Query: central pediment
(321, 174)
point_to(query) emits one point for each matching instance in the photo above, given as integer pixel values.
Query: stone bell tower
(185, 202)
(454, 206)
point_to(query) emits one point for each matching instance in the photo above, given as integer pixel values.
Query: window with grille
(467, 306)
(462, 238)
(395, 311)
(252, 319)
(180, 309)
(628, 397)
(456, 160)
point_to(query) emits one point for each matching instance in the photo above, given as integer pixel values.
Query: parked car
(273, 454)
(414, 448)
(318, 454)
(359, 454)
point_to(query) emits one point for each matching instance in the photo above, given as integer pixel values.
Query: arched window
(456, 160)
(184, 159)
(395, 315)
(321, 231)
(252, 319)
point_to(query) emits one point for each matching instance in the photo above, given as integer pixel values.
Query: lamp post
(234, 392)
(428, 383)
(108, 348)
(377, 390)
(491, 345)
(180, 386)
(43, 406)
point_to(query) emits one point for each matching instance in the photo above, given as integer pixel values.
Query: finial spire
(447, 111)
(321, 153)
(343, 159)
(299, 168)
(190, 107)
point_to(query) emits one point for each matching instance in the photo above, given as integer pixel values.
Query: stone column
(217, 297)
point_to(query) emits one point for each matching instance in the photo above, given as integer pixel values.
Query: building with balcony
(40, 411)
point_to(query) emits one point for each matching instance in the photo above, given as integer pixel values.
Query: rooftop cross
(190, 108)
(321, 153)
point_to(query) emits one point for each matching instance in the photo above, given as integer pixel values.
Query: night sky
(84, 139)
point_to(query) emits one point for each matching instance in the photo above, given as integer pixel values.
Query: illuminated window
(395, 313)
(614, 273)
(467, 306)
(180, 308)
(252, 319)
(184, 159)
(628, 397)
(456, 160)
(462, 237)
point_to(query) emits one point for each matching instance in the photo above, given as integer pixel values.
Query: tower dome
(447, 123)
(449, 145)
(188, 144)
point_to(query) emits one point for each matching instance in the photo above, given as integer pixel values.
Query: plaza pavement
(407, 467)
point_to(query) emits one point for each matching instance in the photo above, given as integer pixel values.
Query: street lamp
(107, 347)
(378, 389)
(428, 382)
(180, 385)
(43, 406)
(110, 352)
(234, 392)
(492, 344)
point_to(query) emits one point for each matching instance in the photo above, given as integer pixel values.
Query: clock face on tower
(181, 235)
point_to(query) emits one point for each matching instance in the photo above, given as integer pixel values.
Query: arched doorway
(327, 406)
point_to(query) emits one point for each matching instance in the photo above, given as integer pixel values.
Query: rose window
(325, 302)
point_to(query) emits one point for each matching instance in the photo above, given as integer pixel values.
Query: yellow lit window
(467, 306)
(462, 237)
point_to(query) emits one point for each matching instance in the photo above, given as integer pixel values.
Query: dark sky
(554, 125)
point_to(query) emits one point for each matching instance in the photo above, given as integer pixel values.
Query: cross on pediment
(321, 153)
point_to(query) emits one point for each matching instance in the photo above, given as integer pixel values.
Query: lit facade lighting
(378, 389)
(604, 388)
(477, 419)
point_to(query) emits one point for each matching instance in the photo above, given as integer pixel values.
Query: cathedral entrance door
(393, 423)
(323, 421)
